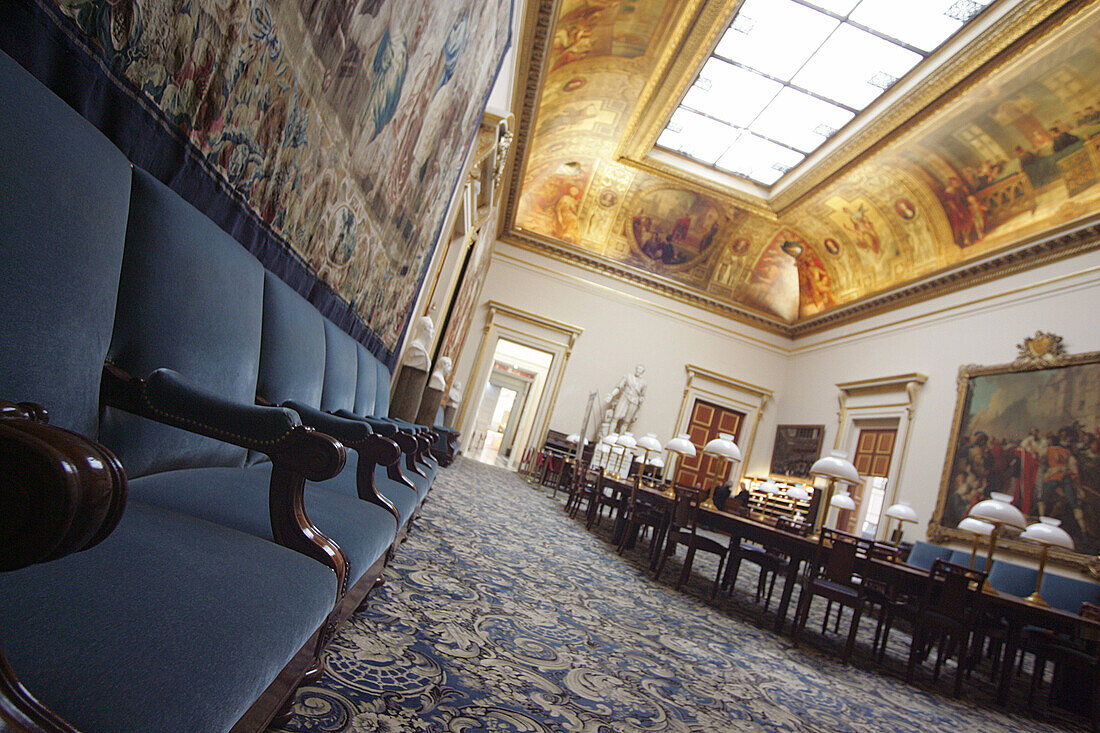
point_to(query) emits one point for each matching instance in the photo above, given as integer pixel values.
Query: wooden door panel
(707, 421)
(874, 452)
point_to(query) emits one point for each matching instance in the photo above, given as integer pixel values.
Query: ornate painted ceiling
(989, 162)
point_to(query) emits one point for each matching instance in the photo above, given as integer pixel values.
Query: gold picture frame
(1028, 429)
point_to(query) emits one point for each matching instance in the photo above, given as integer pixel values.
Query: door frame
(711, 386)
(556, 338)
(875, 403)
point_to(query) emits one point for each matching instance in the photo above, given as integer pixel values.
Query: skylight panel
(697, 136)
(789, 74)
(801, 121)
(925, 24)
(840, 7)
(730, 93)
(854, 67)
(762, 26)
(761, 160)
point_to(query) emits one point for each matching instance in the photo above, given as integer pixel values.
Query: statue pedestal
(407, 395)
(429, 406)
(449, 414)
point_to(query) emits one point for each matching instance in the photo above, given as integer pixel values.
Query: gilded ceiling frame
(1024, 26)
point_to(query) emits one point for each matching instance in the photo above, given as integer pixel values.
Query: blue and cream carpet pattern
(500, 613)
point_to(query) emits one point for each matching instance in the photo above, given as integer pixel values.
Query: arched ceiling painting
(1011, 152)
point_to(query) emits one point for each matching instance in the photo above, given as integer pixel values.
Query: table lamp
(649, 444)
(1045, 533)
(844, 502)
(834, 467)
(998, 511)
(903, 512)
(723, 447)
(797, 493)
(682, 446)
(626, 441)
(979, 529)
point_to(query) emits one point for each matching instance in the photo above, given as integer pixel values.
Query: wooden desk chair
(1075, 660)
(641, 514)
(578, 487)
(947, 615)
(832, 575)
(684, 530)
(771, 562)
(564, 476)
(598, 499)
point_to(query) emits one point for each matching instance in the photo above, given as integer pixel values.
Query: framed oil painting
(1030, 429)
(796, 449)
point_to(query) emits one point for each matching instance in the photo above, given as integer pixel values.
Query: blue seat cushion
(170, 624)
(421, 483)
(405, 500)
(238, 498)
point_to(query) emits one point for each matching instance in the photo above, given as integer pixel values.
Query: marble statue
(624, 402)
(417, 354)
(441, 374)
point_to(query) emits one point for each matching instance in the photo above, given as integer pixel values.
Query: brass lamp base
(1036, 600)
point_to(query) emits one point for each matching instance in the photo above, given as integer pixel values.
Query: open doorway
(506, 412)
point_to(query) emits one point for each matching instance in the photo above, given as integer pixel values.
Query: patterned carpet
(502, 614)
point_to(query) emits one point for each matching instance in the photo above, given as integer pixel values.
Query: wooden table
(1017, 612)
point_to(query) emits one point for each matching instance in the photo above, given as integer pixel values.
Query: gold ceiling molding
(1022, 27)
(1047, 250)
(648, 122)
(526, 87)
(647, 281)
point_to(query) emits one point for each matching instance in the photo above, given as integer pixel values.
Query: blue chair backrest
(962, 557)
(1011, 578)
(64, 196)
(1068, 594)
(190, 299)
(924, 554)
(341, 365)
(292, 352)
(382, 398)
(366, 390)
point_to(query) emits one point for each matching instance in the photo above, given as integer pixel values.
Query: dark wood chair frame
(683, 529)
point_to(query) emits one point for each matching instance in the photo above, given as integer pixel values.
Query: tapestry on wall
(328, 136)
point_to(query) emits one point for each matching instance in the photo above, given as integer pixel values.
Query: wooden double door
(708, 420)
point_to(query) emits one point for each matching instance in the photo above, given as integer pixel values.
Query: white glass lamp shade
(656, 461)
(574, 438)
(903, 510)
(976, 526)
(682, 445)
(843, 501)
(603, 448)
(998, 509)
(626, 440)
(649, 442)
(723, 446)
(610, 438)
(1047, 532)
(837, 466)
(769, 487)
(798, 493)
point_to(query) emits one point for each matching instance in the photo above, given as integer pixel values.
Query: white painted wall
(624, 326)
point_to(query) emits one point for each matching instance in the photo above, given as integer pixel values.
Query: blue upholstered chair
(1011, 578)
(924, 554)
(1067, 593)
(191, 300)
(130, 635)
(292, 373)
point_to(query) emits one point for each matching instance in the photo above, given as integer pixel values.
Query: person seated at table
(740, 502)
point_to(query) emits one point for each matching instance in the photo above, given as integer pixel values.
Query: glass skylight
(788, 74)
